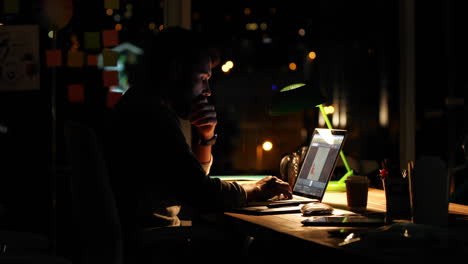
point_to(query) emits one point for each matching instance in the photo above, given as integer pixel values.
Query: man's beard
(182, 105)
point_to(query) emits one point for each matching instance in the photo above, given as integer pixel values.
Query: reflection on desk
(412, 242)
(398, 241)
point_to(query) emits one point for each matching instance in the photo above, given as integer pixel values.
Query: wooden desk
(289, 225)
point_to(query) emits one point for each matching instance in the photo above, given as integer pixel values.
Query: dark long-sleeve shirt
(153, 169)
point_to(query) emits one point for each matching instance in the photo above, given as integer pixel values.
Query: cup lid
(357, 178)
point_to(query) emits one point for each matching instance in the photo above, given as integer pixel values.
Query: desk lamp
(292, 99)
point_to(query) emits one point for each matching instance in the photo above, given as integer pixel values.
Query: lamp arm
(343, 158)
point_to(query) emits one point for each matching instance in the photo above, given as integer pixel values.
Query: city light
(343, 113)
(227, 66)
(267, 145)
(251, 26)
(311, 55)
(292, 66)
(384, 108)
(301, 32)
(329, 109)
(266, 39)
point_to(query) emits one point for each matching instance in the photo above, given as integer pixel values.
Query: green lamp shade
(295, 97)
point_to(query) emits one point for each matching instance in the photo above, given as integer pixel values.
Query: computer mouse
(315, 208)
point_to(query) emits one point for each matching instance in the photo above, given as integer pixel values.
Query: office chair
(94, 207)
(93, 204)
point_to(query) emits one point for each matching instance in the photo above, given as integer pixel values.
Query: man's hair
(171, 51)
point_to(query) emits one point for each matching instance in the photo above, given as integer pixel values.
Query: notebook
(314, 174)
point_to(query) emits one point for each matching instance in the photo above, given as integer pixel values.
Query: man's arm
(203, 118)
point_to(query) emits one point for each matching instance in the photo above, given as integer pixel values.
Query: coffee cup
(357, 188)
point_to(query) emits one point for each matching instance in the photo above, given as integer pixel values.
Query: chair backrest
(93, 203)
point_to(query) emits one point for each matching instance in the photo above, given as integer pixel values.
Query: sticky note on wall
(112, 4)
(110, 57)
(92, 60)
(75, 93)
(75, 59)
(110, 37)
(53, 58)
(110, 78)
(11, 6)
(92, 40)
(112, 98)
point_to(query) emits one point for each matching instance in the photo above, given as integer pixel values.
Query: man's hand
(203, 117)
(267, 188)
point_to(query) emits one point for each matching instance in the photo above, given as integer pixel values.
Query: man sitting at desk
(153, 170)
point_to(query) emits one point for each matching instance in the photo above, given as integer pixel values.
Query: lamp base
(340, 185)
(336, 186)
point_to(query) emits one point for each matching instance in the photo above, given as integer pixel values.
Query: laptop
(313, 178)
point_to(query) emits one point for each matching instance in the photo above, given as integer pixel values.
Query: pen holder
(397, 196)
